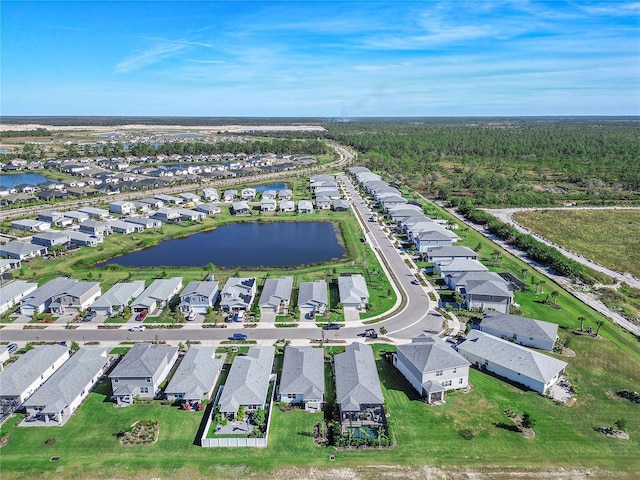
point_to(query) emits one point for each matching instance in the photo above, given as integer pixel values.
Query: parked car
(90, 316)
(331, 326)
(142, 315)
(137, 328)
(238, 336)
(12, 347)
(192, 316)
(371, 333)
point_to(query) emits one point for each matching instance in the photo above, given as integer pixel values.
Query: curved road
(506, 215)
(412, 318)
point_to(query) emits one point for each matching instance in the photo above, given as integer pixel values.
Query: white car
(137, 328)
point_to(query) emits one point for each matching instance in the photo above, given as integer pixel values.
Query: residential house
(82, 239)
(190, 198)
(248, 194)
(60, 396)
(240, 208)
(313, 297)
(323, 203)
(152, 202)
(432, 367)
(287, 206)
(30, 225)
(230, 195)
(141, 372)
(77, 217)
(22, 251)
(198, 297)
(285, 194)
(270, 194)
(358, 393)
(167, 215)
(122, 207)
(458, 265)
(521, 365)
(195, 377)
(268, 204)
(436, 237)
(95, 213)
(211, 194)
(8, 264)
(483, 291)
(305, 206)
(238, 294)
(24, 376)
(340, 206)
(441, 254)
(302, 380)
(51, 239)
(79, 295)
(95, 227)
(521, 330)
(169, 199)
(50, 195)
(353, 292)
(276, 295)
(12, 293)
(126, 228)
(330, 192)
(157, 295)
(248, 382)
(208, 208)
(191, 215)
(117, 297)
(145, 222)
(55, 218)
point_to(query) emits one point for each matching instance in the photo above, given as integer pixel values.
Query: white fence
(237, 441)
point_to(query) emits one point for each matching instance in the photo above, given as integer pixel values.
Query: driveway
(351, 315)
(268, 317)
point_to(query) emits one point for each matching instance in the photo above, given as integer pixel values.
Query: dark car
(12, 347)
(142, 315)
(331, 326)
(90, 316)
(238, 336)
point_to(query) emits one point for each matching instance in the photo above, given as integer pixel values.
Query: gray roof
(28, 368)
(303, 372)
(79, 216)
(122, 225)
(81, 236)
(237, 292)
(240, 206)
(340, 204)
(207, 208)
(275, 290)
(510, 356)
(352, 289)
(51, 236)
(144, 360)
(461, 265)
(436, 234)
(17, 247)
(141, 221)
(305, 205)
(450, 251)
(196, 374)
(357, 379)
(50, 289)
(14, 289)
(69, 381)
(160, 290)
(521, 326)
(462, 278)
(248, 380)
(491, 287)
(206, 288)
(94, 211)
(313, 292)
(428, 353)
(119, 294)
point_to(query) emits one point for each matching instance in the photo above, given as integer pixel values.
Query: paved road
(587, 298)
(506, 216)
(409, 319)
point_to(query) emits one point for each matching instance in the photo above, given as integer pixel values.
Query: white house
(12, 293)
(276, 295)
(122, 207)
(302, 380)
(432, 367)
(157, 295)
(238, 294)
(198, 297)
(117, 297)
(521, 330)
(521, 365)
(353, 292)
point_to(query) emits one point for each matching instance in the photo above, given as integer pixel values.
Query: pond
(11, 179)
(271, 186)
(245, 245)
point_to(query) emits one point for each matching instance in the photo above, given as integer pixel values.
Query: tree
(527, 421)
(74, 346)
(554, 296)
(599, 323)
(524, 275)
(581, 320)
(621, 424)
(459, 299)
(477, 248)
(259, 418)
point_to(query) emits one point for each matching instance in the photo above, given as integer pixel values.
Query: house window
(439, 373)
(454, 370)
(148, 380)
(446, 383)
(460, 381)
(115, 380)
(144, 389)
(291, 395)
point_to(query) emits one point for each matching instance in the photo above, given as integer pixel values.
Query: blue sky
(320, 58)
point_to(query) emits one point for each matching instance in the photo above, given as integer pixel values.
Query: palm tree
(459, 299)
(581, 320)
(534, 282)
(554, 295)
(541, 284)
(524, 275)
(599, 323)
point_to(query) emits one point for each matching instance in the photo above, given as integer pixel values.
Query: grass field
(610, 237)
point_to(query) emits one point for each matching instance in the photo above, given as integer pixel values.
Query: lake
(11, 179)
(271, 186)
(245, 245)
